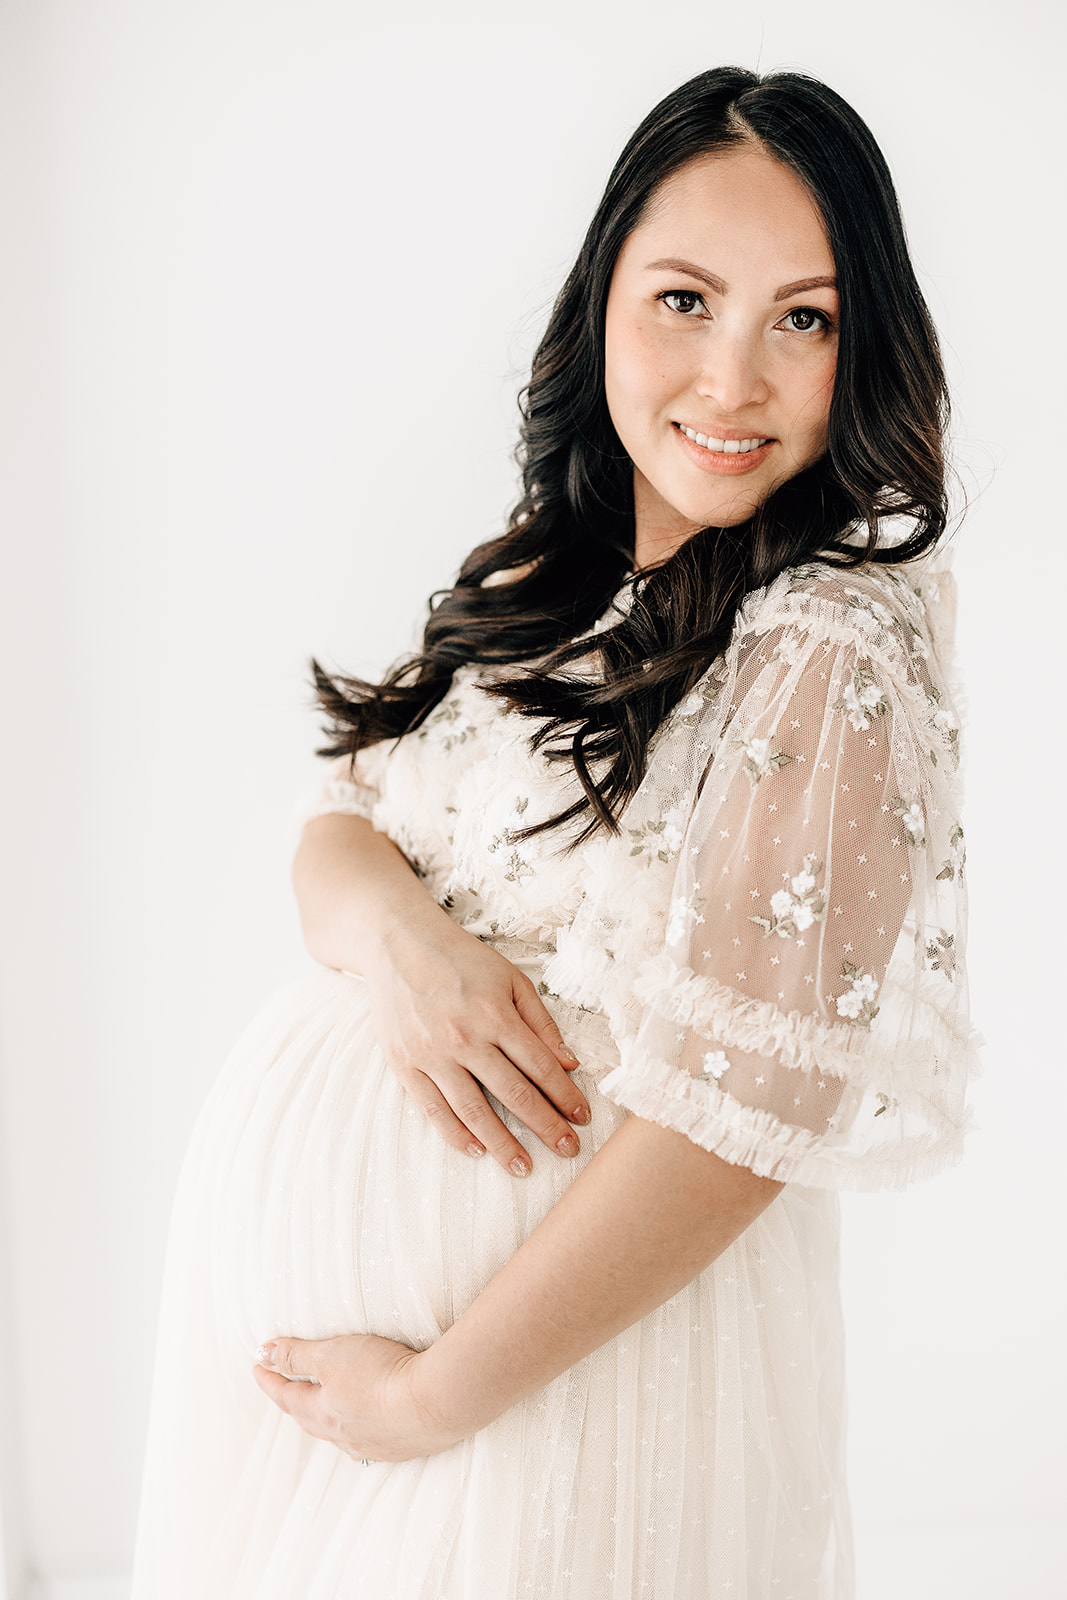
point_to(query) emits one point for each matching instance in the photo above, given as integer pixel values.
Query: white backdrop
(272, 273)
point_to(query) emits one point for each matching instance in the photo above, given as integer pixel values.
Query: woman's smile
(723, 453)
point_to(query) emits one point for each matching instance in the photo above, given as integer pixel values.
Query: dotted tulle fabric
(768, 957)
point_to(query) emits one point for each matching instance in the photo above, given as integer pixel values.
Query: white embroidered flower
(911, 815)
(795, 909)
(788, 650)
(857, 1003)
(715, 1064)
(672, 837)
(862, 700)
(913, 820)
(693, 702)
(850, 1004)
(760, 759)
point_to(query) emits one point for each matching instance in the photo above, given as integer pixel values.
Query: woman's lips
(731, 461)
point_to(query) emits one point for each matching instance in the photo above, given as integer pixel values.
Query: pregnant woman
(504, 1261)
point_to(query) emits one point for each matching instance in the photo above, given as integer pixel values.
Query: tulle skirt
(697, 1455)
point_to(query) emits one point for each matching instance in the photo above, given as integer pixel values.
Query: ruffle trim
(745, 1136)
(829, 621)
(336, 797)
(939, 1060)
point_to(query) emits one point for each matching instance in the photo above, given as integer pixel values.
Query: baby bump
(337, 1206)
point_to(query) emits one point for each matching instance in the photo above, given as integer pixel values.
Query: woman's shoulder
(883, 611)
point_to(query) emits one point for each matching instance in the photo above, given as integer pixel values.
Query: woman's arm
(649, 1213)
(452, 1015)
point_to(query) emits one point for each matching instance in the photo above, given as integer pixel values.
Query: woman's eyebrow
(801, 284)
(675, 264)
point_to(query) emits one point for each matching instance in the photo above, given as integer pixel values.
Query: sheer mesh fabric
(767, 958)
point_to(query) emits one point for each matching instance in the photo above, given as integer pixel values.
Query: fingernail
(265, 1355)
(567, 1053)
(520, 1167)
(476, 1149)
(568, 1145)
(580, 1115)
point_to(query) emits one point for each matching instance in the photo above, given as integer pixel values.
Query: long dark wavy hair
(569, 541)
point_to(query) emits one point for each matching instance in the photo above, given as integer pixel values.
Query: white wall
(248, 248)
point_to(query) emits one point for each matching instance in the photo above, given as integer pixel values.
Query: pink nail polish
(568, 1145)
(580, 1115)
(265, 1355)
(567, 1053)
(520, 1168)
(476, 1150)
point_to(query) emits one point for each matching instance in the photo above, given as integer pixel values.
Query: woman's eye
(683, 301)
(802, 319)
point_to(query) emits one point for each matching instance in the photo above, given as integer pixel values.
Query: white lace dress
(767, 958)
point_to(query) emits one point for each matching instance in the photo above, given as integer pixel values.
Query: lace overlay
(774, 938)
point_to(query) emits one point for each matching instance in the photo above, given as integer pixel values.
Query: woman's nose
(732, 374)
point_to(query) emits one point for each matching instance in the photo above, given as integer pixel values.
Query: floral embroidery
(862, 700)
(660, 838)
(716, 1062)
(873, 608)
(941, 954)
(944, 724)
(796, 908)
(787, 650)
(910, 814)
(679, 915)
(957, 855)
(689, 710)
(516, 865)
(448, 712)
(760, 759)
(856, 1004)
(886, 1103)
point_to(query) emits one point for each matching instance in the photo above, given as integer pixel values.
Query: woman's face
(721, 344)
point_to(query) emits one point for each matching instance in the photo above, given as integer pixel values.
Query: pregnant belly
(336, 1207)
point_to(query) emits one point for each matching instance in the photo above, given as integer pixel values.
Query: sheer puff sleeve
(351, 788)
(777, 935)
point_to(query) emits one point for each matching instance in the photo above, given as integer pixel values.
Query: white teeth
(729, 447)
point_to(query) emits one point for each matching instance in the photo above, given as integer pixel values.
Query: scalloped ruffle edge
(801, 1040)
(745, 1136)
(936, 1067)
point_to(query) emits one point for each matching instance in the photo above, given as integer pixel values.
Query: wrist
(407, 931)
(431, 1406)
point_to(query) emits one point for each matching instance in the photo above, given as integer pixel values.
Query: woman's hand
(356, 1393)
(454, 1017)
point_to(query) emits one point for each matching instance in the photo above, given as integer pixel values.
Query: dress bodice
(774, 935)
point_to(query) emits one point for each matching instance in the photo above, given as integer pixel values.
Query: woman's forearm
(357, 893)
(648, 1214)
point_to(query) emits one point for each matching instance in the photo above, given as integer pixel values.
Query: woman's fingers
(455, 1101)
(299, 1360)
(539, 1058)
(428, 1096)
